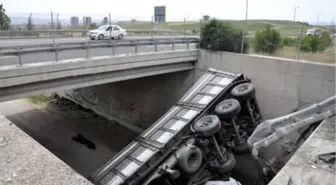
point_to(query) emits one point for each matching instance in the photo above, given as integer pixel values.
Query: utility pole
(52, 28)
(110, 26)
(295, 12)
(185, 27)
(58, 23)
(152, 27)
(317, 20)
(243, 39)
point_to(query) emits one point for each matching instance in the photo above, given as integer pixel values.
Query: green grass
(38, 99)
(285, 27)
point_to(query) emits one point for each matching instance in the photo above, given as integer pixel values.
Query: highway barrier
(56, 48)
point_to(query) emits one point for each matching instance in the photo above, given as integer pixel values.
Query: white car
(107, 31)
(311, 32)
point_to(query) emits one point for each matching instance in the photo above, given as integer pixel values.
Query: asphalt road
(54, 125)
(80, 53)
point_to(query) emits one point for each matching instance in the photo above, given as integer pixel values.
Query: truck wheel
(243, 91)
(225, 166)
(207, 125)
(228, 109)
(190, 159)
(241, 148)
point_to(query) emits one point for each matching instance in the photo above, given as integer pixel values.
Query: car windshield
(102, 28)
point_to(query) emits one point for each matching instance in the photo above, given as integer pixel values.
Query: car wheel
(228, 109)
(92, 39)
(207, 126)
(101, 37)
(243, 91)
(121, 36)
(190, 159)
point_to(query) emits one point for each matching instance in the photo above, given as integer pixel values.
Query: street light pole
(295, 12)
(243, 36)
(317, 20)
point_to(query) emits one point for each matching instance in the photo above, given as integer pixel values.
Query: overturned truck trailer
(195, 140)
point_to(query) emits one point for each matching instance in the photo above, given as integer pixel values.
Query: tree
(216, 35)
(314, 43)
(93, 26)
(30, 23)
(4, 19)
(267, 40)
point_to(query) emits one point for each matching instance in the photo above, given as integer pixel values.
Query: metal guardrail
(40, 48)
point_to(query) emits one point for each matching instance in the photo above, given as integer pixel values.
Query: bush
(219, 36)
(287, 41)
(268, 40)
(312, 43)
(193, 31)
(93, 26)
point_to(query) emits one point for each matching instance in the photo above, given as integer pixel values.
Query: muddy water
(80, 138)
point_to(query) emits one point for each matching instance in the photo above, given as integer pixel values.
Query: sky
(177, 10)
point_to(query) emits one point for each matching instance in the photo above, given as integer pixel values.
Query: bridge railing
(73, 33)
(56, 48)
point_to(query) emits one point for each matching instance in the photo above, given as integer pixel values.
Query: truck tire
(207, 126)
(224, 167)
(190, 159)
(243, 91)
(228, 109)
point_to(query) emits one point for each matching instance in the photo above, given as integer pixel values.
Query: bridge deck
(24, 161)
(304, 168)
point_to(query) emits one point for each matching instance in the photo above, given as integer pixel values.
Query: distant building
(87, 21)
(160, 14)
(206, 17)
(105, 21)
(74, 21)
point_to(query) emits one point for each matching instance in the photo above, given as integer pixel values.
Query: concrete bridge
(136, 90)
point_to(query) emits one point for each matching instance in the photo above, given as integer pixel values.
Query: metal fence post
(56, 53)
(187, 44)
(136, 47)
(113, 48)
(87, 49)
(155, 46)
(173, 45)
(20, 56)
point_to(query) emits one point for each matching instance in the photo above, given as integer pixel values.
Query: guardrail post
(113, 48)
(187, 45)
(20, 57)
(173, 45)
(87, 49)
(136, 47)
(155, 46)
(56, 53)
